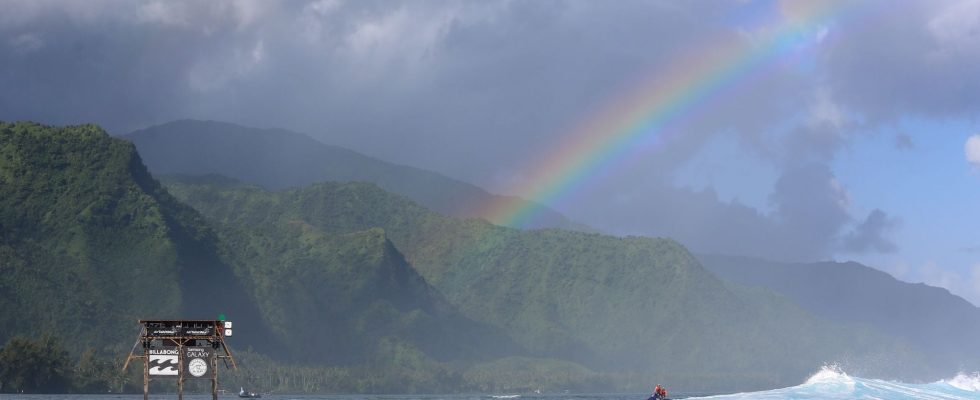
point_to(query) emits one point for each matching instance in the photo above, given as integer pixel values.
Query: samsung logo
(197, 353)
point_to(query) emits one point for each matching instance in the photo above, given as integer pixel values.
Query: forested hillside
(612, 304)
(345, 281)
(90, 242)
(352, 294)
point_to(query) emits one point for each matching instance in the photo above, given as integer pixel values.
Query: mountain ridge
(927, 316)
(91, 242)
(84, 224)
(611, 304)
(380, 289)
(278, 158)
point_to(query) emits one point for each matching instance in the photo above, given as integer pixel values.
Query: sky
(850, 132)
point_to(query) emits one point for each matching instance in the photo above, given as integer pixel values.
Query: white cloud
(26, 43)
(901, 270)
(240, 14)
(964, 283)
(824, 110)
(402, 37)
(21, 13)
(167, 13)
(315, 16)
(322, 8)
(931, 273)
(957, 26)
(972, 149)
(214, 73)
(975, 280)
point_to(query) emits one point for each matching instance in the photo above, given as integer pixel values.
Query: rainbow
(648, 115)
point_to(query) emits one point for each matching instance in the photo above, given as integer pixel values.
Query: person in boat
(659, 393)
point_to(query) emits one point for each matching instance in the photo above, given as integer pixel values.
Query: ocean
(829, 383)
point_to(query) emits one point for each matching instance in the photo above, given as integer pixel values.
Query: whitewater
(831, 383)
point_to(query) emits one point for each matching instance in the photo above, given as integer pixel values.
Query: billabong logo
(163, 365)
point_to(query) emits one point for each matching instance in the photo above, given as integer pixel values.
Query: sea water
(829, 383)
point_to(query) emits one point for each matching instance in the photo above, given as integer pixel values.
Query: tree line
(43, 365)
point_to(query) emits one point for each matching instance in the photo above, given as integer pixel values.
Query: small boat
(248, 395)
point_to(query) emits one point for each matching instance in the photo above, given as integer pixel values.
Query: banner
(197, 362)
(198, 330)
(158, 329)
(163, 361)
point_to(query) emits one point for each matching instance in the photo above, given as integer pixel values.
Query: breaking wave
(832, 383)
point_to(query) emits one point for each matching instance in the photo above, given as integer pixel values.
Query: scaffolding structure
(182, 350)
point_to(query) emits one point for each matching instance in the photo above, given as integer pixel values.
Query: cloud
(483, 90)
(904, 142)
(974, 294)
(965, 284)
(811, 217)
(955, 27)
(871, 235)
(26, 43)
(217, 72)
(972, 150)
(970, 249)
(928, 74)
(811, 208)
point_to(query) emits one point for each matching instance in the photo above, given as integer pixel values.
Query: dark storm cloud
(482, 90)
(121, 64)
(388, 78)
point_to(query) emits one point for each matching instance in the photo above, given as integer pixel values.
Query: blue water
(829, 383)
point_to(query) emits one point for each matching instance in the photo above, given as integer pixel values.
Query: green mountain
(347, 287)
(942, 326)
(352, 294)
(277, 159)
(619, 305)
(90, 242)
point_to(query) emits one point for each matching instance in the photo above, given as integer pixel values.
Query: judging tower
(182, 350)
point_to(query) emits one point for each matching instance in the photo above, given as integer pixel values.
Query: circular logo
(197, 367)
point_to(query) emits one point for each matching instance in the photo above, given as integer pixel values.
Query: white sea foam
(968, 382)
(830, 374)
(833, 383)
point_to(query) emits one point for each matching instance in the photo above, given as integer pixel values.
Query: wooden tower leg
(146, 378)
(214, 376)
(180, 370)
